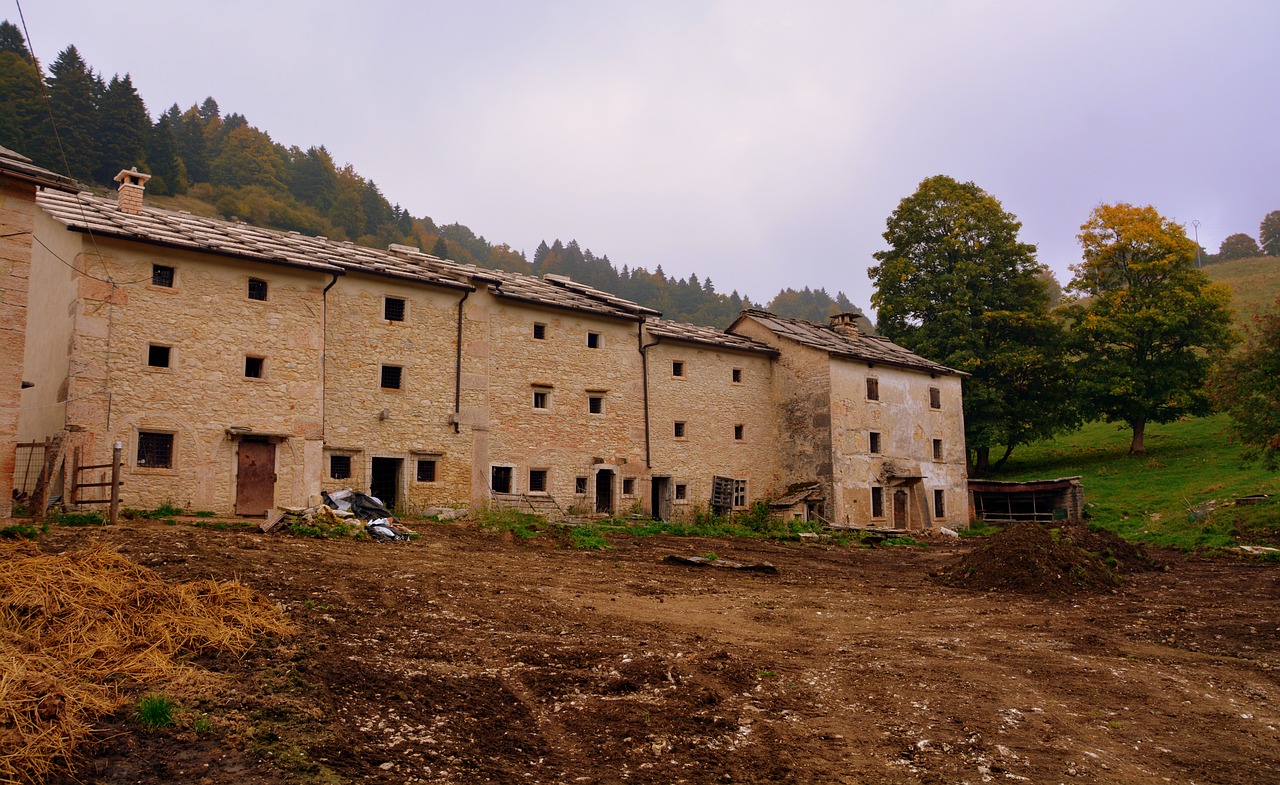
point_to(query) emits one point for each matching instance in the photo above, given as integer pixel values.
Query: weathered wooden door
(255, 478)
(899, 509)
(660, 498)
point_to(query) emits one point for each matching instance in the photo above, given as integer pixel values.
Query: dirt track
(468, 657)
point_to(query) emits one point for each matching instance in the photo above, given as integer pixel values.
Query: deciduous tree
(1269, 233)
(1238, 246)
(1245, 387)
(957, 286)
(1149, 323)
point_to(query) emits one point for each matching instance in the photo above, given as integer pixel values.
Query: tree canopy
(1149, 323)
(1269, 233)
(957, 286)
(1238, 246)
(1245, 387)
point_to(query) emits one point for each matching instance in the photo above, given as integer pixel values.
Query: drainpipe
(457, 371)
(644, 372)
(324, 350)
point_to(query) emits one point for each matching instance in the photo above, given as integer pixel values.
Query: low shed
(1033, 500)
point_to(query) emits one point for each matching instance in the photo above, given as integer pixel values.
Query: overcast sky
(762, 144)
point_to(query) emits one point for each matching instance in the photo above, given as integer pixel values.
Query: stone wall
(17, 209)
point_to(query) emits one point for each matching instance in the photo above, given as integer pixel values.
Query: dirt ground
(468, 657)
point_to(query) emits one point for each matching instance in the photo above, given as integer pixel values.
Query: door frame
(265, 443)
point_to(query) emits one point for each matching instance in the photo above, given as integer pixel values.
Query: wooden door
(255, 478)
(899, 509)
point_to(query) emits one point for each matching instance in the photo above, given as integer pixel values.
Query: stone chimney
(846, 324)
(132, 186)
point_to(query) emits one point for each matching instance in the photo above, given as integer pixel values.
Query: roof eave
(323, 267)
(497, 292)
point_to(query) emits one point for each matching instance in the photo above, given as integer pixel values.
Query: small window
(393, 309)
(739, 432)
(257, 289)
(155, 450)
(539, 331)
(426, 470)
(679, 429)
(737, 376)
(739, 493)
(595, 404)
(595, 340)
(939, 504)
(158, 356)
(541, 399)
(537, 481)
(937, 449)
(162, 275)
(628, 486)
(677, 368)
(873, 389)
(580, 486)
(935, 398)
(392, 377)
(873, 443)
(340, 467)
(682, 491)
(877, 502)
(500, 479)
(253, 367)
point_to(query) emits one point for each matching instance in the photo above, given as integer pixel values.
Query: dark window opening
(253, 367)
(539, 331)
(737, 375)
(340, 467)
(873, 389)
(682, 491)
(937, 449)
(594, 340)
(939, 510)
(257, 289)
(595, 404)
(162, 275)
(874, 443)
(739, 432)
(500, 479)
(537, 481)
(935, 398)
(158, 356)
(679, 430)
(628, 486)
(393, 309)
(155, 450)
(392, 377)
(541, 399)
(580, 485)
(877, 502)
(427, 470)
(677, 368)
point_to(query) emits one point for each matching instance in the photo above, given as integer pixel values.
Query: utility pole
(1195, 226)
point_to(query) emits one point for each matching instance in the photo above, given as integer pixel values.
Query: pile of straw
(81, 632)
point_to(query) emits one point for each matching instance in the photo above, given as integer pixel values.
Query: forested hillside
(74, 120)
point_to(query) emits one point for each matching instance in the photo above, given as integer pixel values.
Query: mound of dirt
(1031, 558)
(1117, 552)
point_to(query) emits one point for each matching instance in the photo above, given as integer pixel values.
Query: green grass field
(1254, 283)
(1147, 499)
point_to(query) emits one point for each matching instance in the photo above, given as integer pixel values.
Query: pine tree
(441, 249)
(168, 174)
(73, 89)
(193, 148)
(123, 128)
(24, 119)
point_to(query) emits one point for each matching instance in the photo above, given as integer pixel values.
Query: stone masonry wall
(17, 209)
(710, 404)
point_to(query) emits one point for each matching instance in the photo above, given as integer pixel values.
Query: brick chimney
(846, 324)
(132, 186)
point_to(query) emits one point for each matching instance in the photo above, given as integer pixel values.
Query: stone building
(244, 368)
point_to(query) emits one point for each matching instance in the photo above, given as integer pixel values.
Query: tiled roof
(692, 333)
(18, 165)
(868, 348)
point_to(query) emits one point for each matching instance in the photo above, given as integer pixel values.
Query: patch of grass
(980, 529)
(904, 541)
(23, 531)
(524, 525)
(205, 514)
(78, 518)
(1146, 498)
(166, 510)
(155, 710)
(588, 538)
(201, 726)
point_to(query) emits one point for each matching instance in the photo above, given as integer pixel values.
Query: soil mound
(1117, 552)
(1031, 558)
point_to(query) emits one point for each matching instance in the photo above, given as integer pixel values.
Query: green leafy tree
(1245, 387)
(1269, 233)
(1149, 323)
(957, 286)
(249, 158)
(1238, 246)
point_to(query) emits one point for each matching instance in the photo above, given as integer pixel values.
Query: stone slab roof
(693, 333)
(18, 165)
(867, 348)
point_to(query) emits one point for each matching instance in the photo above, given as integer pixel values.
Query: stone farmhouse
(243, 368)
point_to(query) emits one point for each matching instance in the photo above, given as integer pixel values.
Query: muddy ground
(470, 657)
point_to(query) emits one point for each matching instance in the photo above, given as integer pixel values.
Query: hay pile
(1032, 558)
(81, 632)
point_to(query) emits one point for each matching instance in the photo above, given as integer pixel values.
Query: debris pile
(1031, 558)
(81, 632)
(345, 513)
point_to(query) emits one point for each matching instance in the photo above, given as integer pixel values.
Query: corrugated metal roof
(869, 348)
(693, 333)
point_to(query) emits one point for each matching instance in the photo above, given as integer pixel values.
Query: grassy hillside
(1254, 283)
(1147, 499)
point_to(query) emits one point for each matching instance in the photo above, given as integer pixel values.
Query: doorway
(500, 479)
(604, 490)
(900, 510)
(660, 498)
(255, 476)
(384, 481)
